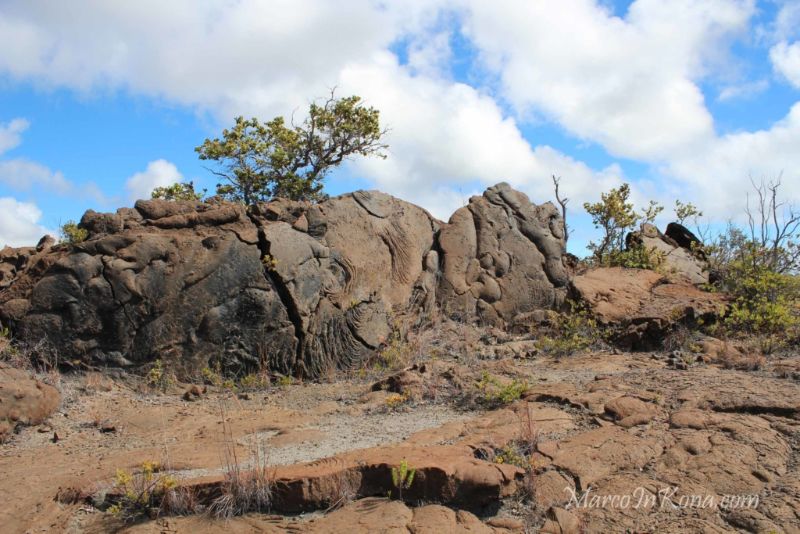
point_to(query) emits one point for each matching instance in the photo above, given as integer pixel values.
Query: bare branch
(563, 203)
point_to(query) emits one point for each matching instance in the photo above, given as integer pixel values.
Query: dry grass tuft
(246, 488)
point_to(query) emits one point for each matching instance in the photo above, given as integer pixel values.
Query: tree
(685, 211)
(615, 216)
(258, 161)
(178, 191)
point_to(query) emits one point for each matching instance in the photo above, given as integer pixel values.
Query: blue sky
(687, 99)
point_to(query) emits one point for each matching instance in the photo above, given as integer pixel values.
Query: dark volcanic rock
(502, 256)
(295, 287)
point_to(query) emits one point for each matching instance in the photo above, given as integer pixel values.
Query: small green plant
(73, 234)
(403, 477)
(765, 303)
(510, 455)
(213, 375)
(159, 378)
(395, 400)
(269, 262)
(396, 354)
(616, 216)
(635, 257)
(495, 393)
(142, 494)
(285, 381)
(254, 381)
(686, 211)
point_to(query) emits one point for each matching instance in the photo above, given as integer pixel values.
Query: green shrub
(72, 234)
(254, 382)
(571, 332)
(494, 393)
(143, 494)
(616, 216)
(178, 191)
(212, 374)
(635, 257)
(159, 378)
(764, 303)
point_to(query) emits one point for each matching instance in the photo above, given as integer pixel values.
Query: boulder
(23, 400)
(682, 254)
(643, 305)
(502, 256)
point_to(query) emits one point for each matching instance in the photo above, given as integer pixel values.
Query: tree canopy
(259, 161)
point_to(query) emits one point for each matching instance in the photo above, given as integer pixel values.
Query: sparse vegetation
(212, 375)
(247, 486)
(284, 381)
(160, 378)
(396, 354)
(254, 381)
(758, 268)
(493, 392)
(178, 192)
(570, 332)
(146, 493)
(72, 233)
(269, 262)
(395, 400)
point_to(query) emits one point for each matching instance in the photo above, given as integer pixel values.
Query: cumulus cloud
(244, 57)
(24, 175)
(627, 84)
(19, 223)
(10, 134)
(719, 173)
(448, 135)
(159, 173)
(785, 60)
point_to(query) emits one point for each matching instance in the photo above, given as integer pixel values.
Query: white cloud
(244, 57)
(787, 21)
(628, 84)
(159, 173)
(19, 223)
(785, 60)
(10, 134)
(24, 175)
(743, 90)
(719, 172)
(444, 134)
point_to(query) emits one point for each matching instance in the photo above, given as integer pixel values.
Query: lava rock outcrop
(289, 286)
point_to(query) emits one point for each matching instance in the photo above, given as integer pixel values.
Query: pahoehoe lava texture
(294, 287)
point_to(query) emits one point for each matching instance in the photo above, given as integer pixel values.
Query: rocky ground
(701, 449)
(449, 334)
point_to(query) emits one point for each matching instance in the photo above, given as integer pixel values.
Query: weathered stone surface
(645, 304)
(295, 287)
(23, 400)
